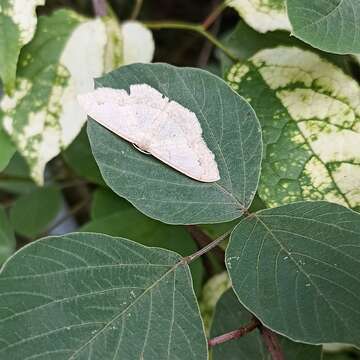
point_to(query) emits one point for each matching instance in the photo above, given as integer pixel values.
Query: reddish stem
(232, 335)
(99, 7)
(272, 343)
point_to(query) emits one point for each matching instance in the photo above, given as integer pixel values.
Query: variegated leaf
(310, 115)
(263, 15)
(17, 28)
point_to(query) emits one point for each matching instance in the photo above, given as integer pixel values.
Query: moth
(156, 125)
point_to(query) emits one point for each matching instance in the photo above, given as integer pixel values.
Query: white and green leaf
(296, 267)
(310, 115)
(17, 27)
(263, 15)
(43, 116)
(330, 25)
(7, 149)
(92, 296)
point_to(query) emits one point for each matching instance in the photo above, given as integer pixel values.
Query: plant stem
(272, 343)
(213, 15)
(232, 335)
(136, 10)
(158, 25)
(99, 7)
(202, 239)
(206, 248)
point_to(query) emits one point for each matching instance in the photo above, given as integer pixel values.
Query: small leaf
(231, 315)
(332, 26)
(310, 115)
(7, 150)
(17, 28)
(32, 213)
(15, 178)
(105, 202)
(230, 130)
(42, 116)
(97, 297)
(263, 15)
(81, 160)
(296, 268)
(133, 225)
(7, 237)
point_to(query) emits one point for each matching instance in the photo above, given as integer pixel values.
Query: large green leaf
(133, 225)
(17, 27)
(231, 315)
(310, 115)
(33, 212)
(7, 237)
(7, 150)
(263, 15)
(42, 115)
(230, 129)
(296, 268)
(330, 25)
(91, 296)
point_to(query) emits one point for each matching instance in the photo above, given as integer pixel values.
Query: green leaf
(296, 268)
(91, 296)
(42, 116)
(230, 129)
(80, 159)
(17, 28)
(7, 150)
(33, 213)
(105, 202)
(231, 315)
(310, 115)
(263, 15)
(15, 178)
(133, 225)
(7, 237)
(330, 25)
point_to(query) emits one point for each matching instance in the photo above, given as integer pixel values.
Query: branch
(272, 343)
(158, 25)
(236, 334)
(99, 7)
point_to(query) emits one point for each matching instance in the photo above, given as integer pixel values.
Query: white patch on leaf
(138, 43)
(263, 15)
(160, 126)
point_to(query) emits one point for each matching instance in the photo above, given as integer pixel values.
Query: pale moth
(162, 127)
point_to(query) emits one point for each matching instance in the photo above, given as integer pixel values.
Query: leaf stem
(203, 239)
(205, 249)
(271, 341)
(99, 7)
(158, 25)
(136, 10)
(235, 334)
(213, 15)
